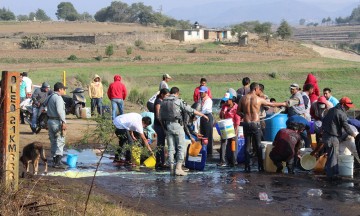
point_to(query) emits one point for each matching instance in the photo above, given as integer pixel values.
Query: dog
(32, 154)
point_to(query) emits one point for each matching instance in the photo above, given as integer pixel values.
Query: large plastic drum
(273, 125)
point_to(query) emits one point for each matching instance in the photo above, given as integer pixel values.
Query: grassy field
(341, 76)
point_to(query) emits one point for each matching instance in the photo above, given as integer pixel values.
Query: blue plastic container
(71, 160)
(240, 158)
(312, 127)
(218, 128)
(198, 162)
(273, 125)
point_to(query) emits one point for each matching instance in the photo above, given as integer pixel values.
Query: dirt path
(332, 53)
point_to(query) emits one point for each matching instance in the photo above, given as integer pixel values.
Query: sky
(92, 6)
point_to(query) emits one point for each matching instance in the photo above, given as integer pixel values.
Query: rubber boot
(179, 171)
(172, 169)
(57, 162)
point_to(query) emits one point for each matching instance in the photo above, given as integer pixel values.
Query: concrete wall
(127, 37)
(188, 35)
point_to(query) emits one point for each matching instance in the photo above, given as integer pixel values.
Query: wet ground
(219, 191)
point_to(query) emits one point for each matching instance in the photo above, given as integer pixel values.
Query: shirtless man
(249, 109)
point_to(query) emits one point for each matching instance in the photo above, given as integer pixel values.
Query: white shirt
(129, 121)
(206, 108)
(163, 85)
(28, 83)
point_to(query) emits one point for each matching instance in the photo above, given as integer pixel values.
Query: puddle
(210, 188)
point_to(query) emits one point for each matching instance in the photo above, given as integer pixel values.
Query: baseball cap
(347, 102)
(58, 86)
(227, 96)
(45, 85)
(167, 76)
(203, 89)
(294, 86)
(322, 99)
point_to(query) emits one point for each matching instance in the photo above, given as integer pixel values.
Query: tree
(138, 9)
(118, 12)
(6, 14)
(263, 28)
(41, 15)
(85, 16)
(284, 30)
(66, 11)
(22, 17)
(355, 15)
(302, 21)
(323, 21)
(101, 15)
(32, 15)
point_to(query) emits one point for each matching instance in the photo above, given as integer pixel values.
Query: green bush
(128, 51)
(138, 58)
(139, 43)
(72, 58)
(99, 58)
(32, 42)
(109, 51)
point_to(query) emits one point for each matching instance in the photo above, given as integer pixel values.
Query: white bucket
(346, 165)
(226, 128)
(263, 146)
(85, 112)
(308, 161)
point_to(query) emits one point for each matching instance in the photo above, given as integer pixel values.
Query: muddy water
(224, 191)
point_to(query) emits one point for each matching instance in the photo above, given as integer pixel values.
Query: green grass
(342, 76)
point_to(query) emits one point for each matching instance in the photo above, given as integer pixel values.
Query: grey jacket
(55, 107)
(334, 121)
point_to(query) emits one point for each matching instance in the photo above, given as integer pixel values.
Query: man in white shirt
(130, 127)
(206, 126)
(28, 82)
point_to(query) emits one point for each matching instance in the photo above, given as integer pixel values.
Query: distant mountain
(224, 13)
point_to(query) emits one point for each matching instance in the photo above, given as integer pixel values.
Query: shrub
(128, 51)
(139, 43)
(99, 58)
(273, 75)
(32, 42)
(109, 51)
(193, 50)
(138, 58)
(72, 58)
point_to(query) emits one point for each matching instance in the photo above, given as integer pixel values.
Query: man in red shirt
(197, 97)
(117, 94)
(228, 111)
(286, 145)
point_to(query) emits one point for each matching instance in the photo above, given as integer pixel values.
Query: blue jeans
(252, 132)
(117, 104)
(96, 102)
(35, 114)
(57, 139)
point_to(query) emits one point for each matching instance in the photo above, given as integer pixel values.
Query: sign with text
(9, 119)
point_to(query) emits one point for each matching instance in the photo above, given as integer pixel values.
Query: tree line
(117, 11)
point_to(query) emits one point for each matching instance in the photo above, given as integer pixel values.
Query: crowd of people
(248, 106)
(171, 120)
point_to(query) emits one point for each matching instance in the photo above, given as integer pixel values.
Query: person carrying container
(333, 122)
(172, 110)
(130, 127)
(228, 111)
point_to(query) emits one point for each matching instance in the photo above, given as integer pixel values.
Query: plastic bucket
(241, 131)
(273, 125)
(71, 160)
(308, 161)
(320, 164)
(150, 162)
(85, 112)
(312, 127)
(195, 149)
(226, 128)
(346, 165)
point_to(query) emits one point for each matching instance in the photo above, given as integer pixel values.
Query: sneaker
(185, 169)
(221, 165)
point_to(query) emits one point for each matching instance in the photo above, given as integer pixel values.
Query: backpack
(169, 111)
